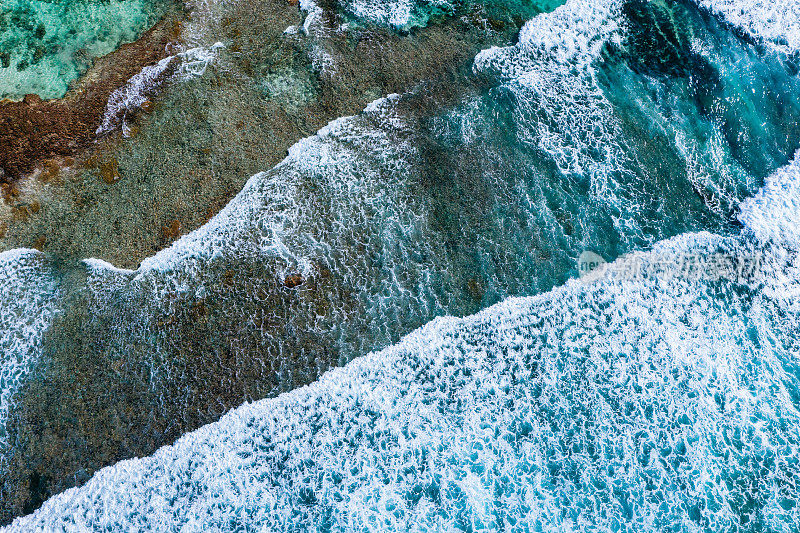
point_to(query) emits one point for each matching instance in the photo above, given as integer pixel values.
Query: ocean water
(46, 44)
(657, 131)
(665, 403)
(29, 289)
(407, 14)
(778, 23)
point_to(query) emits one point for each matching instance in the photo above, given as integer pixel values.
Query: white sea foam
(269, 208)
(27, 304)
(775, 21)
(494, 403)
(150, 82)
(317, 29)
(274, 223)
(98, 264)
(614, 402)
(773, 215)
(400, 14)
(560, 107)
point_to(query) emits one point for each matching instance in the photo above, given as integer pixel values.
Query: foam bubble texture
(550, 73)
(775, 21)
(29, 290)
(773, 215)
(627, 405)
(527, 174)
(400, 14)
(150, 81)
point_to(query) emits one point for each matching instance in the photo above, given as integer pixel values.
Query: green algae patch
(45, 45)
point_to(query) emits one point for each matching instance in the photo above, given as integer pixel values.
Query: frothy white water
(317, 28)
(151, 80)
(265, 215)
(336, 194)
(28, 292)
(351, 182)
(610, 361)
(401, 14)
(773, 215)
(561, 109)
(628, 402)
(641, 402)
(550, 70)
(775, 21)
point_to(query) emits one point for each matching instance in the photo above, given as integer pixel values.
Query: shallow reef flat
(297, 185)
(34, 131)
(233, 87)
(169, 158)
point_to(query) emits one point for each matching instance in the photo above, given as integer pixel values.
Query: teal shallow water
(45, 45)
(408, 14)
(616, 406)
(624, 405)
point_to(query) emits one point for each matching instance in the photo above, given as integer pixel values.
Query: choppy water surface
(405, 15)
(658, 128)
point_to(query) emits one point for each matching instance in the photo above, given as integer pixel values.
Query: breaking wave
(632, 403)
(150, 82)
(624, 404)
(777, 22)
(29, 291)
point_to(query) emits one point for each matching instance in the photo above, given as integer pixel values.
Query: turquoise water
(614, 406)
(408, 14)
(668, 403)
(45, 45)
(683, 75)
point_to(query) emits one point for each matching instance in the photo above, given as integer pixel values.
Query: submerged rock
(34, 130)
